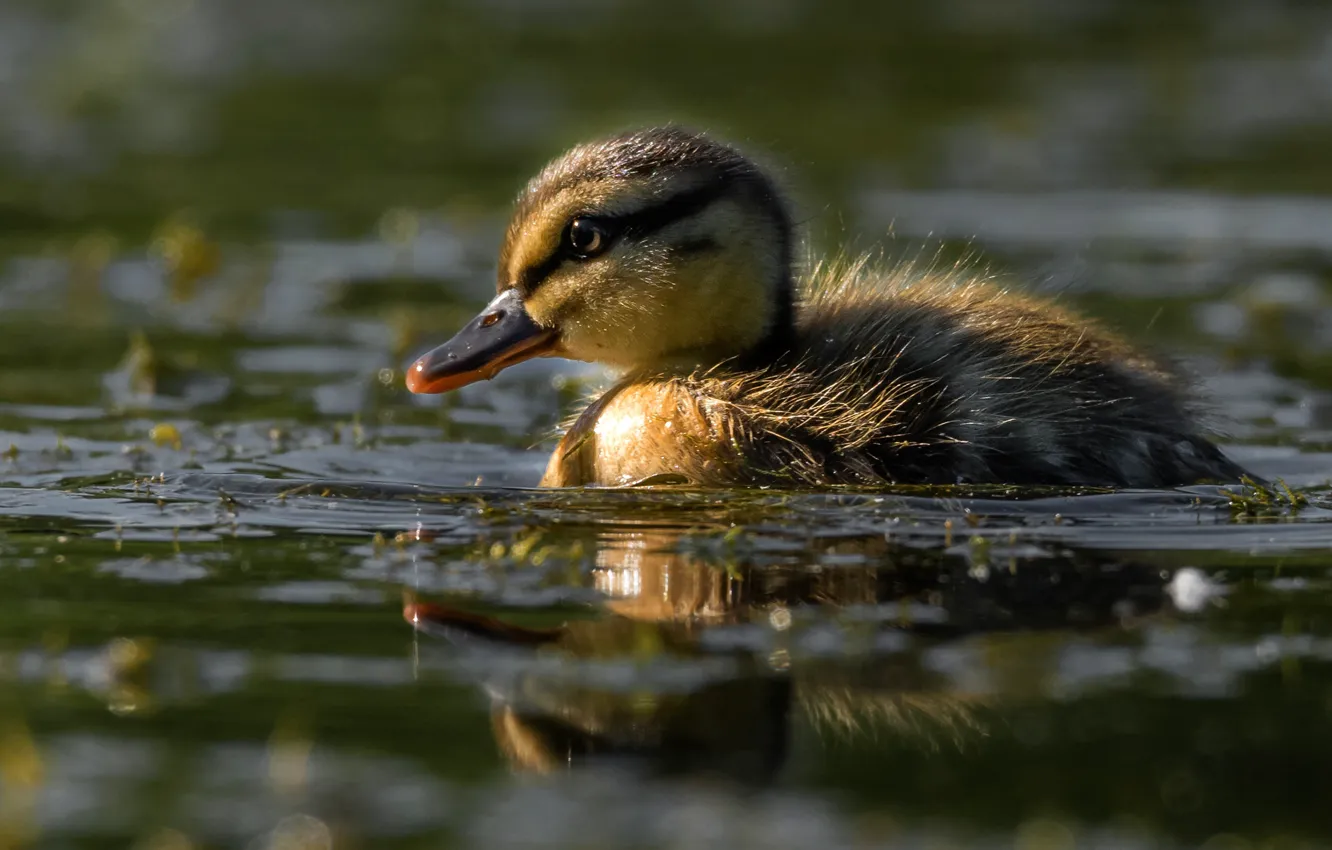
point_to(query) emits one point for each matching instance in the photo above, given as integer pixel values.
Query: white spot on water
(1191, 590)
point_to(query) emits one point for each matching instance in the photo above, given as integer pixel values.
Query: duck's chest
(637, 432)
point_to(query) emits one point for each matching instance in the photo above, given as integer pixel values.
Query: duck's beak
(502, 335)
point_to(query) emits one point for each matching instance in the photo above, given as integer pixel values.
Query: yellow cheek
(556, 301)
(540, 308)
(585, 310)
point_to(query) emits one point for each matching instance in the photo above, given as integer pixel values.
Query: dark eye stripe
(532, 276)
(634, 226)
(645, 222)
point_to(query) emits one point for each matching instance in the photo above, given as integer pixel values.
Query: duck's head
(657, 249)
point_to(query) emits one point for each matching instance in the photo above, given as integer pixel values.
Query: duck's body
(930, 380)
(735, 375)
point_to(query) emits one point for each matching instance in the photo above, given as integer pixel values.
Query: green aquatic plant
(1258, 500)
(141, 364)
(530, 548)
(165, 434)
(189, 254)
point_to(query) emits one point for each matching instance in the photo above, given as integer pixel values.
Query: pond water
(255, 594)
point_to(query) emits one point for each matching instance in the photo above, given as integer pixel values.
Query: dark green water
(224, 228)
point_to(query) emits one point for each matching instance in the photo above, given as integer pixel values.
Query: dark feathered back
(937, 378)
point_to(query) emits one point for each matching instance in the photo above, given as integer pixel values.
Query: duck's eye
(587, 238)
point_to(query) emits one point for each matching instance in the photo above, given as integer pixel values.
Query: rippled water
(254, 594)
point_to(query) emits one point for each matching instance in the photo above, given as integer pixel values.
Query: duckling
(671, 256)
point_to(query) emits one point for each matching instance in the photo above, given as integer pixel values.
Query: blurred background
(246, 165)
(226, 225)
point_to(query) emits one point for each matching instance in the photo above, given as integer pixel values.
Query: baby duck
(670, 256)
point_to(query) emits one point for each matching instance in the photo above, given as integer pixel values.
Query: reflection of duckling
(671, 256)
(739, 705)
(735, 725)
